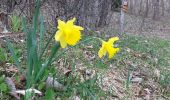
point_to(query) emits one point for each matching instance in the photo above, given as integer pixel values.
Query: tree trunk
(104, 12)
(89, 13)
(163, 7)
(144, 15)
(30, 9)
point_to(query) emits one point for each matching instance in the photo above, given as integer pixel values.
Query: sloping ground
(139, 72)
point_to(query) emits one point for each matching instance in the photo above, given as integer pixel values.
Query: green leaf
(41, 85)
(28, 95)
(42, 32)
(49, 94)
(47, 44)
(3, 55)
(49, 60)
(17, 78)
(10, 47)
(15, 23)
(3, 87)
(1, 79)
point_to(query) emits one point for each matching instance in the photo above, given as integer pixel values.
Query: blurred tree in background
(89, 13)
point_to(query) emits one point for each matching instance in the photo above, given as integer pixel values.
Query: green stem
(46, 45)
(49, 61)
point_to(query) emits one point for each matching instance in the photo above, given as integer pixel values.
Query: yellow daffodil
(108, 47)
(68, 33)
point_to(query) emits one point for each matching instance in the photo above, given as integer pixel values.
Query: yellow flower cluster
(70, 34)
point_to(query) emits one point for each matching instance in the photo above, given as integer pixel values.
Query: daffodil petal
(61, 24)
(112, 52)
(79, 27)
(58, 35)
(71, 22)
(101, 52)
(112, 40)
(63, 43)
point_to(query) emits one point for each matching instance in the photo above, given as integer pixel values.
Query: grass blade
(10, 47)
(42, 32)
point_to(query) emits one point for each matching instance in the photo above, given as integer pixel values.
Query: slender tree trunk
(122, 19)
(141, 8)
(163, 7)
(144, 15)
(156, 10)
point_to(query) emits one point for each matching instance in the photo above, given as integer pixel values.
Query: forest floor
(140, 71)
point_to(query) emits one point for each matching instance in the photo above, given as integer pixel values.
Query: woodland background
(90, 13)
(141, 70)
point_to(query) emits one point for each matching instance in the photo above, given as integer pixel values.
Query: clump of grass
(16, 23)
(3, 56)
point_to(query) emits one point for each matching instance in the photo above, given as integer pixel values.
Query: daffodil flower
(68, 33)
(108, 47)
